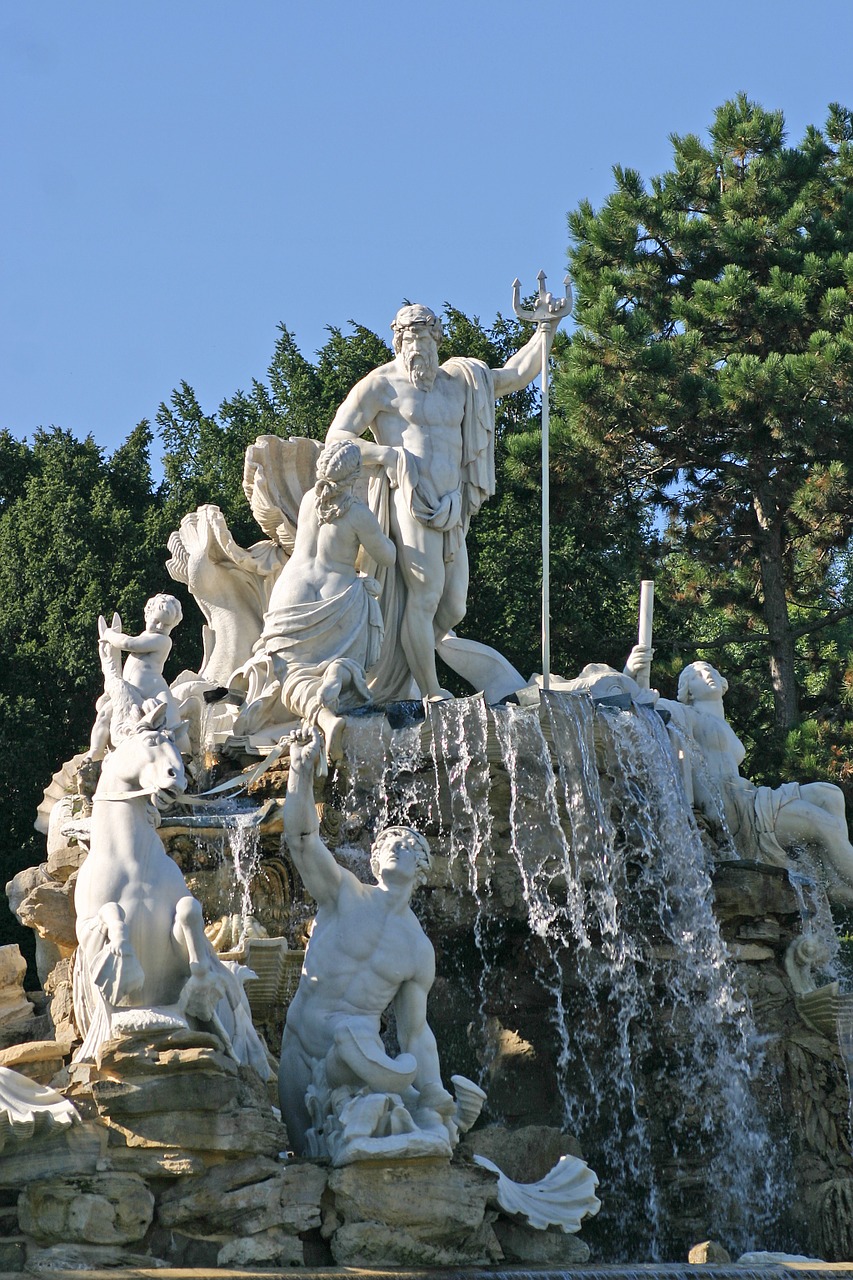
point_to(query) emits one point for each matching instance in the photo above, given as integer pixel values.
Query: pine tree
(713, 365)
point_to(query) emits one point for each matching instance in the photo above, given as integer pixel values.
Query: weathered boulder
(269, 1248)
(181, 1091)
(521, 1243)
(748, 890)
(40, 1060)
(708, 1251)
(244, 1198)
(113, 1209)
(72, 1152)
(14, 1005)
(92, 1257)
(411, 1213)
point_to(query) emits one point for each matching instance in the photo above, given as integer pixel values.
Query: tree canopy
(713, 367)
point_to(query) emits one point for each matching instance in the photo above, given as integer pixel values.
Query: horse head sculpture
(146, 760)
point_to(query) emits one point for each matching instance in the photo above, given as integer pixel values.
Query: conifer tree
(713, 366)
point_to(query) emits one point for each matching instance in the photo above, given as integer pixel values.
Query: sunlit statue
(143, 963)
(142, 676)
(764, 821)
(322, 630)
(433, 444)
(342, 1093)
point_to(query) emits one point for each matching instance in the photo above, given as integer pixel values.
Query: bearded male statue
(432, 457)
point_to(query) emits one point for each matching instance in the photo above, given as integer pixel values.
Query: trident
(547, 310)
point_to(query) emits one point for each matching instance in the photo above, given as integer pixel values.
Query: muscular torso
(428, 424)
(358, 958)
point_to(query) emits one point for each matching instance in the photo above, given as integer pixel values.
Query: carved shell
(563, 1198)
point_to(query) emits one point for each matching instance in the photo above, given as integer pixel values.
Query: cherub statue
(142, 676)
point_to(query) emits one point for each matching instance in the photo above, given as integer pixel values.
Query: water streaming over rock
(578, 869)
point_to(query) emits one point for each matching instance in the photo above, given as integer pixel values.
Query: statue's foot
(333, 731)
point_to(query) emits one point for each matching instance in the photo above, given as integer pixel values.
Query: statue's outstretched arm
(320, 874)
(526, 363)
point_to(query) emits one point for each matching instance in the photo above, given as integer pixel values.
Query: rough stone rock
(74, 1151)
(752, 890)
(78, 1257)
(183, 1251)
(246, 1197)
(58, 986)
(49, 909)
(521, 1243)
(399, 1212)
(152, 1162)
(368, 1244)
(187, 1096)
(708, 1251)
(270, 1248)
(65, 853)
(38, 1059)
(13, 1255)
(14, 1005)
(749, 952)
(114, 1209)
(526, 1154)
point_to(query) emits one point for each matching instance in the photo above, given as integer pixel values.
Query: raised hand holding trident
(547, 311)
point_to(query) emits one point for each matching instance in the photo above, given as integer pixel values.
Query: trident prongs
(547, 307)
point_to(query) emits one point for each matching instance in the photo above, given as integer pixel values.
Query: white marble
(341, 1093)
(142, 676)
(143, 960)
(563, 1198)
(322, 628)
(230, 585)
(432, 456)
(28, 1109)
(764, 821)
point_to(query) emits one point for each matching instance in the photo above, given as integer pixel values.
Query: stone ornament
(764, 821)
(432, 462)
(563, 1198)
(29, 1110)
(322, 629)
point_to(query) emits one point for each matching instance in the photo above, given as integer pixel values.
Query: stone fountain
(479, 940)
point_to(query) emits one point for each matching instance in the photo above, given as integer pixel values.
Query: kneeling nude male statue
(341, 1093)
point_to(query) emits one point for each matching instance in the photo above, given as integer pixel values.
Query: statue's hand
(305, 748)
(639, 660)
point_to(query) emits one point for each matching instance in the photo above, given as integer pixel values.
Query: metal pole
(546, 524)
(547, 313)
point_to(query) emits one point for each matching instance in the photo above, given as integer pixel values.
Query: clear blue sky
(181, 175)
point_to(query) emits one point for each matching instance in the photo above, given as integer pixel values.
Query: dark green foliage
(79, 535)
(713, 367)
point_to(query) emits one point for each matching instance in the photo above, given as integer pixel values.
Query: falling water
(585, 874)
(243, 839)
(655, 1052)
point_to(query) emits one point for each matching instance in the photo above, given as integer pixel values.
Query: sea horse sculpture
(143, 961)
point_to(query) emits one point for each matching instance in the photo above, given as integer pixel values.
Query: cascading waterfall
(242, 838)
(583, 843)
(656, 1054)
